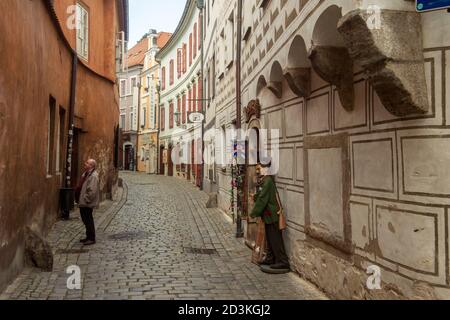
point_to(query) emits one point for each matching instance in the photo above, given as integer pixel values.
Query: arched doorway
(128, 154)
(252, 150)
(162, 168)
(170, 161)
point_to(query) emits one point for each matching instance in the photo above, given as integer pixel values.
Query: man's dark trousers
(88, 220)
(276, 245)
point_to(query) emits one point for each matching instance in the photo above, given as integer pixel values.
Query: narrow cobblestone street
(147, 249)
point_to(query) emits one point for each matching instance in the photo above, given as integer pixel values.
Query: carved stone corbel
(334, 65)
(253, 109)
(299, 80)
(392, 56)
(276, 87)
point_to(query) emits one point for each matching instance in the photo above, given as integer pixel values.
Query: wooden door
(162, 170)
(128, 157)
(170, 162)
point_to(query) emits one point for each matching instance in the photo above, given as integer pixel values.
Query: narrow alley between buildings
(157, 241)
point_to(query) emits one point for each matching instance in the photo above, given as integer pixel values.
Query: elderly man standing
(87, 196)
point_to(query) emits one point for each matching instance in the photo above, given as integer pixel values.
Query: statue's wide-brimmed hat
(265, 162)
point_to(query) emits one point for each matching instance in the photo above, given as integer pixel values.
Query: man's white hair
(93, 163)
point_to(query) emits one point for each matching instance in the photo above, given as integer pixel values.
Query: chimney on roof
(153, 38)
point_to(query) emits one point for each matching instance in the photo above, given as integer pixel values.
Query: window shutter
(190, 100)
(171, 72)
(179, 58)
(178, 110)
(163, 119)
(86, 34)
(200, 26)
(200, 95)
(184, 108)
(190, 49)
(184, 58)
(195, 40)
(171, 115)
(163, 78)
(194, 97)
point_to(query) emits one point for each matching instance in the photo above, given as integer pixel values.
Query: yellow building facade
(149, 102)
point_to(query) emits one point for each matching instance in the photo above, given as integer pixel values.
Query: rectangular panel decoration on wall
(361, 224)
(286, 169)
(318, 113)
(327, 190)
(357, 118)
(424, 176)
(446, 85)
(299, 161)
(374, 165)
(275, 122)
(293, 117)
(295, 208)
(410, 239)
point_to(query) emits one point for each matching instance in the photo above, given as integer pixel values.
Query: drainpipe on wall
(203, 111)
(157, 121)
(138, 126)
(67, 193)
(239, 229)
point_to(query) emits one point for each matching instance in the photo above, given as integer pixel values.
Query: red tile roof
(136, 54)
(163, 38)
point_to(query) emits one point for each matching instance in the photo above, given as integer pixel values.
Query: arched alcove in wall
(252, 142)
(298, 70)
(330, 58)
(262, 83)
(276, 80)
(325, 30)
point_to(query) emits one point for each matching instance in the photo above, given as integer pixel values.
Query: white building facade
(181, 91)
(129, 101)
(364, 135)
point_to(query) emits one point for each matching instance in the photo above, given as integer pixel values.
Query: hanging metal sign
(196, 117)
(430, 5)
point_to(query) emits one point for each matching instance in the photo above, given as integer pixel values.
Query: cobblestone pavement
(146, 250)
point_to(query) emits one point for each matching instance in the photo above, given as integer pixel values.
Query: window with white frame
(123, 87)
(122, 121)
(82, 31)
(133, 83)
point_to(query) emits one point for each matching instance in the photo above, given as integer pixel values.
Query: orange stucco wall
(103, 19)
(36, 63)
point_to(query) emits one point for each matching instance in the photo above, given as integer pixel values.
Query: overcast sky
(162, 15)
